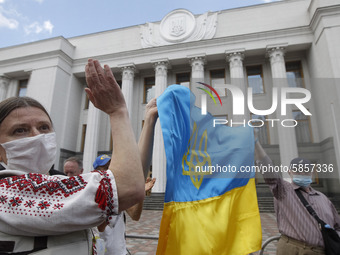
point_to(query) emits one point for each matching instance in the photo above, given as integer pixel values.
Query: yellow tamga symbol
(194, 163)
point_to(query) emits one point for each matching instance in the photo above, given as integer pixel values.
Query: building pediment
(177, 27)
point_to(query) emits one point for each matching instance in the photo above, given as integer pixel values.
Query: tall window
(87, 102)
(261, 125)
(83, 136)
(119, 83)
(255, 79)
(303, 129)
(217, 77)
(295, 74)
(111, 142)
(183, 79)
(22, 89)
(149, 89)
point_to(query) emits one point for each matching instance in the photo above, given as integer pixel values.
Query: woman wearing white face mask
(48, 214)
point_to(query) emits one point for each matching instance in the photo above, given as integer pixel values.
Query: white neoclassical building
(291, 43)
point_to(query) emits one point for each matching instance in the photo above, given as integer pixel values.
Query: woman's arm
(105, 94)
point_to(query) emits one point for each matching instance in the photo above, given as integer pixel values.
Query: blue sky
(23, 21)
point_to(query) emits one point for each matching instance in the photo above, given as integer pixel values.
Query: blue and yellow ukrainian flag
(207, 210)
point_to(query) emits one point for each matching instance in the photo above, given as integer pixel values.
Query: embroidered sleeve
(106, 193)
(35, 204)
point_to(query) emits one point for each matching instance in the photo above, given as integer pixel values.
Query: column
(91, 138)
(197, 67)
(4, 82)
(158, 156)
(161, 73)
(128, 73)
(287, 137)
(197, 75)
(235, 59)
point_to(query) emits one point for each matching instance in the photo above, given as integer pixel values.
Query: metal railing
(268, 241)
(142, 237)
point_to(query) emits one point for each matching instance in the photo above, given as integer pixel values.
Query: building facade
(286, 44)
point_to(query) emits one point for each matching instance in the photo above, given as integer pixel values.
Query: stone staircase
(265, 199)
(266, 204)
(154, 202)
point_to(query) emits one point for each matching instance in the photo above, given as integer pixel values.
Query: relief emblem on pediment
(178, 26)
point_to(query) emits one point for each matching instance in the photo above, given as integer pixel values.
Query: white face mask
(31, 154)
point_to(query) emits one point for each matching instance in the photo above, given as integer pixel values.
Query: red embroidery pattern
(30, 203)
(39, 184)
(58, 206)
(104, 195)
(44, 205)
(3, 199)
(36, 194)
(15, 201)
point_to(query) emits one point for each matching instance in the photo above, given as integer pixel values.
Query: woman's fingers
(100, 73)
(103, 90)
(91, 74)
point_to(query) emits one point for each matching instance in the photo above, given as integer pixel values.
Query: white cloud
(10, 12)
(8, 23)
(39, 1)
(48, 26)
(2, 1)
(37, 28)
(9, 18)
(33, 28)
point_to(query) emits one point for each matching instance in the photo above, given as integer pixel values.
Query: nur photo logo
(282, 99)
(204, 97)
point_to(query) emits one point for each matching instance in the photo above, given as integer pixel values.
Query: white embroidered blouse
(38, 205)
